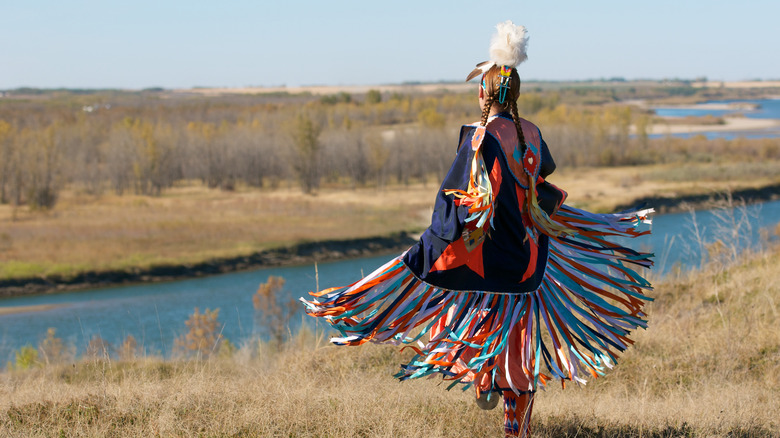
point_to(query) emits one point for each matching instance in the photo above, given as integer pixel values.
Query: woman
(508, 287)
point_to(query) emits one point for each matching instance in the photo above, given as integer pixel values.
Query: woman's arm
(550, 197)
(447, 219)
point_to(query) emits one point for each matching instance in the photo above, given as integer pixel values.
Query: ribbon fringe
(571, 327)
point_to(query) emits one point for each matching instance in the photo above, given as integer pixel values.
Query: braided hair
(491, 82)
(491, 85)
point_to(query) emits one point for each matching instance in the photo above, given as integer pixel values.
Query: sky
(188, 43)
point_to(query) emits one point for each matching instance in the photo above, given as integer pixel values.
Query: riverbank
(671, 382)
(663, 204)
(204, 230)
(319, 251)
(668, 188)
(190, 230)
(300, 254)
(731, 120)
(730, 124)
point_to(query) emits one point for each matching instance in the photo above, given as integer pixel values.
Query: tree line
(144, 143)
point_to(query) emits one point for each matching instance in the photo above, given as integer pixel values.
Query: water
(692, 112)
(677, 238)
(768, 109)
(155, 313)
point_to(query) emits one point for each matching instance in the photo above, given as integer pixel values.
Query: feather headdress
(507, 47)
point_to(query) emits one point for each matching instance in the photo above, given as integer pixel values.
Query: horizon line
(279, 87)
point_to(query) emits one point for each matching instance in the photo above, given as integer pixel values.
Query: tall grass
(708, 365)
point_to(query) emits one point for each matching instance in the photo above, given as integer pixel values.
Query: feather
(481, 69)
(509, 44)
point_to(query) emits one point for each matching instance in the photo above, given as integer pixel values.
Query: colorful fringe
(573, 325)
(479, 195)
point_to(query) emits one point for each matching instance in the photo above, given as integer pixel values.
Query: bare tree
(305, 133)
(6, 159)
(42, 167)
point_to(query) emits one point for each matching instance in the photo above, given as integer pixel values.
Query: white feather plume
(509, 44)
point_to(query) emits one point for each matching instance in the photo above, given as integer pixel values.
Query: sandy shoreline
(737, 124)
(732, 123)
(13, 310)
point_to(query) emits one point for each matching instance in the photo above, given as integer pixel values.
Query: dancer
(509, 287)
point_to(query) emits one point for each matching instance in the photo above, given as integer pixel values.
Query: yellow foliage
(203, 337)
(430, 118)
(5, 129)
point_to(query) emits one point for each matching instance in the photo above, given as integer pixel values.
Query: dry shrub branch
(203, 337)
(273, 316)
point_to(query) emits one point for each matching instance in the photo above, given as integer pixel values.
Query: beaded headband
(505, 75)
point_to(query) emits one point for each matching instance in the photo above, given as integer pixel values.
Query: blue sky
(176, 43)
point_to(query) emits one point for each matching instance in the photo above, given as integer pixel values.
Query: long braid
(492, 91)
(518, 125)
(486, 109)
(542, 220)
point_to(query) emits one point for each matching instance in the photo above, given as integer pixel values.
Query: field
(106, 180)
(191, 223)
(708, 365)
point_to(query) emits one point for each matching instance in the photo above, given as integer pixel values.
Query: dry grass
(602, 189)
(315, 392)
(709, 365)
(191, 224)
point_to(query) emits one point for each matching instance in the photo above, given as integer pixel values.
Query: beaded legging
(517, 414)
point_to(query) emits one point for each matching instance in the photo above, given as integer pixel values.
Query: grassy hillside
(709, 365)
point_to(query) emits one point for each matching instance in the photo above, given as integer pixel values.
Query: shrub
(430, 118)
(373, 96)
(24, 358)
(128, 349)
(202, 339)
(98, 348)
(52, 348)
(272, 316)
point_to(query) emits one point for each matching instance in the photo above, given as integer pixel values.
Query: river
(766, 109)
(155, 313)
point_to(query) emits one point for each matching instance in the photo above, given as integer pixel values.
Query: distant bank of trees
(144, 143)
(144, 146)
